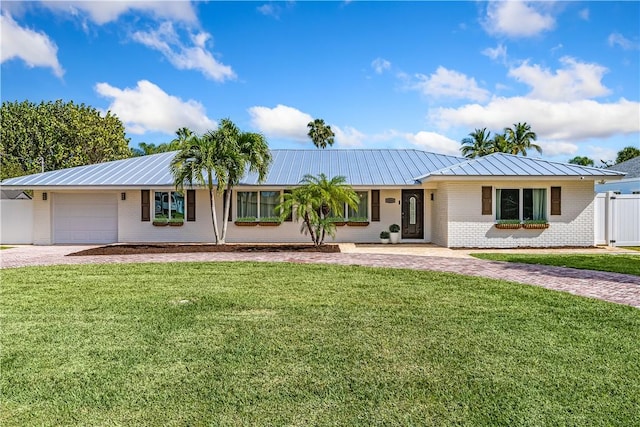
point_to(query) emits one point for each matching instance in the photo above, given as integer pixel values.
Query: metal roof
(506, 165)
(360, 167)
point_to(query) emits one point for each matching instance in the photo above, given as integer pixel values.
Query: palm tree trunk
(212, 205)
(307, 221)
(225, 214)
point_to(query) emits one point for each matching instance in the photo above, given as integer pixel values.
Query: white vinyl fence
(617, 219)
(16, 221)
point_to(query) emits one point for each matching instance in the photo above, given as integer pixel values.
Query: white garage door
(85, 218)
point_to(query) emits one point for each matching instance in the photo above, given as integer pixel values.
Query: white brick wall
(469, 228)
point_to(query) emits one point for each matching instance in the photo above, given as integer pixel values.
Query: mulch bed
(178, 248)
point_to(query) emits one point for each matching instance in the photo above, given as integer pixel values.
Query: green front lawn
(290, 344)
(5, 247)
(626, 264)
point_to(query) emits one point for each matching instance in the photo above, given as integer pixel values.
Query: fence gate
(617, 219)
(626, 220)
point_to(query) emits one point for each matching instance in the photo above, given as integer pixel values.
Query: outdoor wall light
(123, 196)
(44, 196)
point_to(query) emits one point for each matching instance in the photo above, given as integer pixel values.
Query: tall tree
(520, 138)
(627, 153)
(582, 161)
(477, 144)
(314, 199)
(320, 133)
(218, 161)
(57, 135)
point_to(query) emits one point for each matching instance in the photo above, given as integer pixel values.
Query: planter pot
(176, 224)
(508, 226)
(384, 241)
(358, 223)
(394, 237)
(535, 226)
(246, 223)
(339, 223)
(160, 224)
(268, 223)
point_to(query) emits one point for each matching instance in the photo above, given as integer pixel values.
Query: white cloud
(35, 48)
(147, 108)
(557, 148)
(576, 80)
(450, 84)
(434, 142)
(599, 154)
(349, 136)
(102, 12)
(517, 19)
(380, 65)
(281, 122)
(584, 14)
(270, 9)
(620, 40)
(564, 121)
(195, 57)
(497, 53)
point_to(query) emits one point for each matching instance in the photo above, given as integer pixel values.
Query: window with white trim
(521, 203)
(362, 210)
(169, 205)
(257, 204)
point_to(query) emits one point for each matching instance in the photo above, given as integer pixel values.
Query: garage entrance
(85, 218)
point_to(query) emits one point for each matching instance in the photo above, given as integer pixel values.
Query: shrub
(394, 228)
(384, 235)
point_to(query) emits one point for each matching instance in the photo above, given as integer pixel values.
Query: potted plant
(338, 221)
(394, 233)
(536, 224)
(270, 221)
(358, 221)
(384, 237)
(176, 222)
(246, 221)
(160, 221)
(508, 224)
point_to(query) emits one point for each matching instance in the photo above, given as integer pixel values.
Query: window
(247, 204)
(362, 210)
(258, 204)
(268, 202)
(533, 206)
(507, 204)
(169, 205)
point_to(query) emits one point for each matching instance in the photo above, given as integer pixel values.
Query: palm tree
(218, 161)
(183, 136)
(314, 199)
(320, 133)
(244, 151)
(478, 144)
(519, 138)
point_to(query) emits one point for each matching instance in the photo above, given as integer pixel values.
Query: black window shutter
(145, 205)
(224, 203)
(556, 205)
(375, 205)
(486, 200)
(289, 217)
(191, 205)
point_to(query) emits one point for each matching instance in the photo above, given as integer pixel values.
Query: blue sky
(382, 74)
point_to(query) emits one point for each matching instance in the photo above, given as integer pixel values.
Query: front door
(412, 214)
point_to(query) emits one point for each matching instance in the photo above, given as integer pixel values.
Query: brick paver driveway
(613, 287)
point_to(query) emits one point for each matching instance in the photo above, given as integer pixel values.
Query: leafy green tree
(218, 160)
(627, 153)
(478, 144)
(582, 161)
(320, 133)
(57, 135)
(314, 199)
(499, 144)
(520, 138)
(183, 137)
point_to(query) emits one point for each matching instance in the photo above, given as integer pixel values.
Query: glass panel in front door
(412, 210)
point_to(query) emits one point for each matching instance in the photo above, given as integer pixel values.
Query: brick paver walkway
(613, 287)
